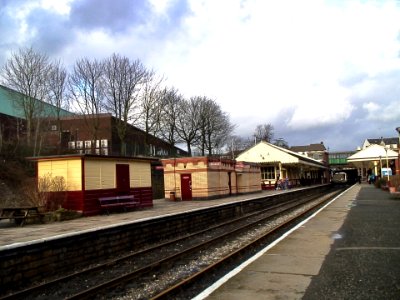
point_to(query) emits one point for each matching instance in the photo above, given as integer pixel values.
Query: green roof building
(9, 99)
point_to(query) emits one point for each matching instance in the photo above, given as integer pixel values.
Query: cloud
(50, 31)
(382, 113)
(7, 37)
(312, 69)
(118, 17)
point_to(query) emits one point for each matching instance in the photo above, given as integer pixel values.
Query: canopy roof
(373, 152)
(265, 152)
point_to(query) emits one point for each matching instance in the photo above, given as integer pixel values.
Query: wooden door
(186, 186)
(122, 179)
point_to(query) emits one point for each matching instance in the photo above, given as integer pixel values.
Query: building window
(317, 156)
(104, 143)
(268, 173)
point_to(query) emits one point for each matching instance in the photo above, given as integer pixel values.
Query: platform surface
(12, 235)
(349, 250)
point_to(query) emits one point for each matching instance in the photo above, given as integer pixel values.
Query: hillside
(16, 180)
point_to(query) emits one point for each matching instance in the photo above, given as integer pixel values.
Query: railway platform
(12, 236)
(349, 250)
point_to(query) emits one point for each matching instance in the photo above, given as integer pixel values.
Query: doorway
(122, 179)
(186, 187)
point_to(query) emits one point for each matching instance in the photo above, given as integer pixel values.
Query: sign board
(386, 171)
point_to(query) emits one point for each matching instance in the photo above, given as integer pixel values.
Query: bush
(395, 181)
(49, 193)
(381, 182)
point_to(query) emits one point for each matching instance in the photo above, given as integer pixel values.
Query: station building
(77, 181)
(73, 134)
(314, 151)
(281, 163)
(202, 177)
(375, 159)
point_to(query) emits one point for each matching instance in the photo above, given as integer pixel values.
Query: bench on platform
(20, 214)
(125, 202)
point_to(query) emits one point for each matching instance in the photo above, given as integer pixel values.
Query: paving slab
(364, 261)
(287, 269)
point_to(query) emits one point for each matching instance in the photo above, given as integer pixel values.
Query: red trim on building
(83, 173)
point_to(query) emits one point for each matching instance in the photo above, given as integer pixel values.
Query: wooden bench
(125, 202)
(20, 214)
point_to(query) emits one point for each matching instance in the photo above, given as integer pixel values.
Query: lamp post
(387, 163)
(398, 150)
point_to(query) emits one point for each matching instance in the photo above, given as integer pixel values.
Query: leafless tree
(237, 144)
(219, 129)
(1, 137)
(214, 127)
(187, 123)
(123, 80)
(151, 105)
(57, 94)
(86, 86)
(281, 143)
(171, 103)
(264, 132)
(27, 72)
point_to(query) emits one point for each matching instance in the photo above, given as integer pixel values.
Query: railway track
(165, 270)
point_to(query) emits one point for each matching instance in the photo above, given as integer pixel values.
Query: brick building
(77, 135)
(201, 178)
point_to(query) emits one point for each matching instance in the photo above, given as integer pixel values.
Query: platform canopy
(264, 153)
(373, 153)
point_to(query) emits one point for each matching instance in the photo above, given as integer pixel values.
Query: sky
(317, 71)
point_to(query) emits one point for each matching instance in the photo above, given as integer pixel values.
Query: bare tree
(281, 143)
(264, 132)
(187, 123)
(203, 121)
(218, 131)
(151, 105)
(214, 127)
(1, 137)
(171, 103)
(86, 86)
(27, 72)
(57, 94)
(236, 144)
(123, 80)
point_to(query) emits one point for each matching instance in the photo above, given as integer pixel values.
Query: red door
(186, 186)
(122, 178)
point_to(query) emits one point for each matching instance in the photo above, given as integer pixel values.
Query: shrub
(49, 192)
(381, 182)
(395, 181)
